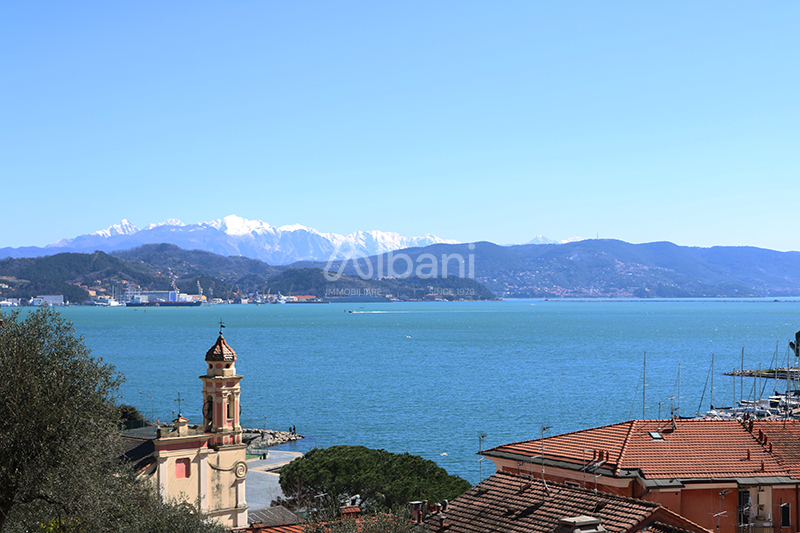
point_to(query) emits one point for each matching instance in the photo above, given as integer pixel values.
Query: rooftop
(221, 351)
(681, 448)
(509, 502)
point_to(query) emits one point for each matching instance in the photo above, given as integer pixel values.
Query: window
(230, 406)
(183, 468)
(745, 506)
(786, 516)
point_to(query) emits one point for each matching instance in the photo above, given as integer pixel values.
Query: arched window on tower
(208, 408)
(230, 406)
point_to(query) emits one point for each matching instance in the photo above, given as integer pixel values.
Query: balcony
(750, 528)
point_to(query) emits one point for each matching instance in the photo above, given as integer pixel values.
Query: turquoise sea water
(428, 378)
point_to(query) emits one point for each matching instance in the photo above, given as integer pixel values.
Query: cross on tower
(179, 404)
(221, 325)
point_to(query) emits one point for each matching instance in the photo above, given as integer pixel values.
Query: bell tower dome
(221, 395)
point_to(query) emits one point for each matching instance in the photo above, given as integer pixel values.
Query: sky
(498, 121)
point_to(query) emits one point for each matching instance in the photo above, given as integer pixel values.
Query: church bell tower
(221, 395)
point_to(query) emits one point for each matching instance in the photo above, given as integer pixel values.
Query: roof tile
(688, 448)
(220, 351)
(509, 502)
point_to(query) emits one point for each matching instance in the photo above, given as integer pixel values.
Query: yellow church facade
(205, 464)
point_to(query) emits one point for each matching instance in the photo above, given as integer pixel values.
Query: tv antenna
(481, 436)
(544, 428)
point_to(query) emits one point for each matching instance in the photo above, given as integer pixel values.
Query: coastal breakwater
(784, 373)
(261, 439)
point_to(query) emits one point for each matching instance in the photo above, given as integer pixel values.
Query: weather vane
(221, 325)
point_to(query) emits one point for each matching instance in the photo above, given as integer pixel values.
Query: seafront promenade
(263, 472)
(263, 477)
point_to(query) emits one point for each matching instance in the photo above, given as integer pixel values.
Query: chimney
(419, 510)
(350, 511)
(580, 524)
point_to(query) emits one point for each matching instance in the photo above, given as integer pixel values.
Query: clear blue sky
(499, 121)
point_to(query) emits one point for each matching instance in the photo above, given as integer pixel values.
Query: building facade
(205, 464)
(730, 476)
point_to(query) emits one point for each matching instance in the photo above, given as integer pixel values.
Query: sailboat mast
(679, 387)
(786, 399)
(712, 380)
(644, 384)
(758, 387)
(741, 380)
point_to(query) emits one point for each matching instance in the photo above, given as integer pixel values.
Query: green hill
(312, 281)
(605, 268)
(162, 266)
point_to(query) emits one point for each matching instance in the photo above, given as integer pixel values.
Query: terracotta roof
(685, 449)
(784, 438)
(220, 351)
(660, 527)
(513, 503)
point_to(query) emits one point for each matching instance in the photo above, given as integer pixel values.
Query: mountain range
(587, 269)
(600, 268)
(234, 236)
(583, 268)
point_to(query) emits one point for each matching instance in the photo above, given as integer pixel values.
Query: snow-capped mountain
(234, 235)
(123, 228)
(541, 239)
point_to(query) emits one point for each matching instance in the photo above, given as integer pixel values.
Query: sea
(446, 379)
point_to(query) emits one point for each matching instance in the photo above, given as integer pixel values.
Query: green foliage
(384, 480)
(313, 281)
(38, 287)
(156, 266)
(60, 449)
(129, 413)
(228, 274)
(607, 267)
(56, 408)
(58, 274)
(212, 287)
